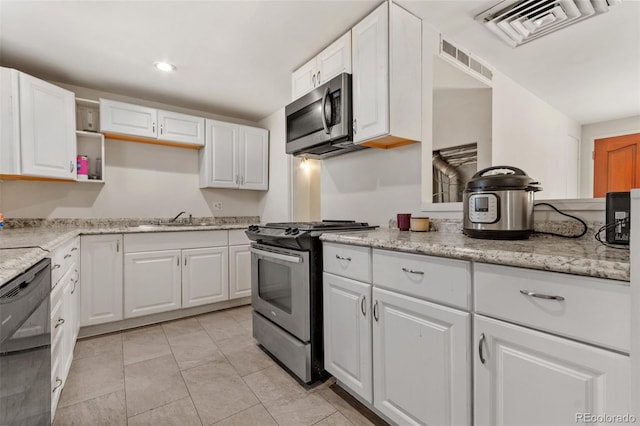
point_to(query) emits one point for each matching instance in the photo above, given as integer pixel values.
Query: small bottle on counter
(1, 221)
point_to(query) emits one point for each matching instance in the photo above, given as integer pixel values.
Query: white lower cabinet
(101, 276)
(239, 271)
(152, 282)
(526, 377)
(421, 369)
(347, 333)
(204, 276)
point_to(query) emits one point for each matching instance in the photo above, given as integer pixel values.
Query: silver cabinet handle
(161, 129)
(482, 339)
(355, 126)
(177, 261)
(66, 256)
(363, 306)
(153, 127)
(74, 249)
(71, 166)
(237, 180)
(55, 266)
(185, 261)
(118, 246)
(375, 311)
(348, 259)
(541, 296)
(313, 80)
(318, 77)
(412, 271)
(58, 384)
(59, 323)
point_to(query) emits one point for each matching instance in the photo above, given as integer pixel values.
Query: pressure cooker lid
(511, 178)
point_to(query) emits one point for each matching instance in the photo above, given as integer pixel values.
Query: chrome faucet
(176, 217)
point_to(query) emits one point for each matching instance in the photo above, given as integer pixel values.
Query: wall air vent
(465, 61)
(517, 22)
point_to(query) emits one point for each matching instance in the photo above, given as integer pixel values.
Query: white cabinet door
(128, 119)
(101, 278)
(176, 127)
(347, 333)
(152, 282)
(334, 60)
(219, 158)
(75, 301)
(204, 276)
(239, 271)
(421, 368)
(68, 314)
(533, 378)
(304, 79)
(47, 129)
(254, 158)
(371, 75)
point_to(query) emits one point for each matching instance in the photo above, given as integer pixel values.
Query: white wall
(463, 116)
(274, 204)
(530, 134)
(372, 185)
(142, 180)
(591, 132)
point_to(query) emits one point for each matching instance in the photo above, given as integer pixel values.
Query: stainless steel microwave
(319, 124)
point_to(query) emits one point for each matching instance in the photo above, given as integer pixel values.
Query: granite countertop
(22, 248)
(583, 256)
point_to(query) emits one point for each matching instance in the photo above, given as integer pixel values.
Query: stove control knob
(287, 231)
(295, 231)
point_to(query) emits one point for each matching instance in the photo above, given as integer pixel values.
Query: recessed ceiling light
(165, 66)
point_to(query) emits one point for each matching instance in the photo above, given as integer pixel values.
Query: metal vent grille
(517, 22)
(465, 60)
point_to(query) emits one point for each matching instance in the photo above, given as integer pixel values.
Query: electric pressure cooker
(499, 205)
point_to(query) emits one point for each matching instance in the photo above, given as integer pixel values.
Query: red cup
(403, 221)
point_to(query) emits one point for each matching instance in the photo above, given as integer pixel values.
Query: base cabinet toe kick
(428, 340)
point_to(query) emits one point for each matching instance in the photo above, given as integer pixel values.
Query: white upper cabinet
(178, 127)
(234, 156)
(332, 61)
(172, 128)
(387, 78)
(38, 128)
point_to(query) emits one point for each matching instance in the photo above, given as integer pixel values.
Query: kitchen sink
(170, 224)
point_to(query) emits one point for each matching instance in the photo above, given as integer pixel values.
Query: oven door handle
(278, 256)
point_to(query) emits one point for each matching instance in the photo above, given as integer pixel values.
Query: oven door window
(274, 284)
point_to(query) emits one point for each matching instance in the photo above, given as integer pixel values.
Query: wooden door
(616, 164)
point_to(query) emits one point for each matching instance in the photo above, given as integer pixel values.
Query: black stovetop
(317, 226)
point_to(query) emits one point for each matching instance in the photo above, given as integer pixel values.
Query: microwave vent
(517, 22)
(465, 60)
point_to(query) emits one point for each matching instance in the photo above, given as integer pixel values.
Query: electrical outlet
(217, 206)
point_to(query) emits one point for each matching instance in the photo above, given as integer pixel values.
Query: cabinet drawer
(347, 261)
(62, 259)
(593, 310)
(434, 278)
(174, 240)
(237, 237)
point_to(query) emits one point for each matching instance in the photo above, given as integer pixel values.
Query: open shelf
(92, 145)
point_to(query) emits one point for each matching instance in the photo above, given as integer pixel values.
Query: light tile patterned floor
(202, 370)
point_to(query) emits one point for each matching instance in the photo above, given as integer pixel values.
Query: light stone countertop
(583, 256)
(22, 248)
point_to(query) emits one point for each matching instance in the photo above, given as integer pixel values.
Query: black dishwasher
(25, 348)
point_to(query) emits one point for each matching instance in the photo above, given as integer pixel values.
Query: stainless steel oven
(280, 287)
(319, 124)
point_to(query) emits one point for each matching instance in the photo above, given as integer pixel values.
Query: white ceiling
(235, 57)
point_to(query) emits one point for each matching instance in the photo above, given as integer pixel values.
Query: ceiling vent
(520, 21)
(465, 61)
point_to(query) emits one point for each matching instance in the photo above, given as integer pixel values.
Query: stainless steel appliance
(25, 348)
(319, 123)
(618, 216)
(500, 205)
(286, 285)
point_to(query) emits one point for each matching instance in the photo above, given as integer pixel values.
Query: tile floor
(201, 370)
